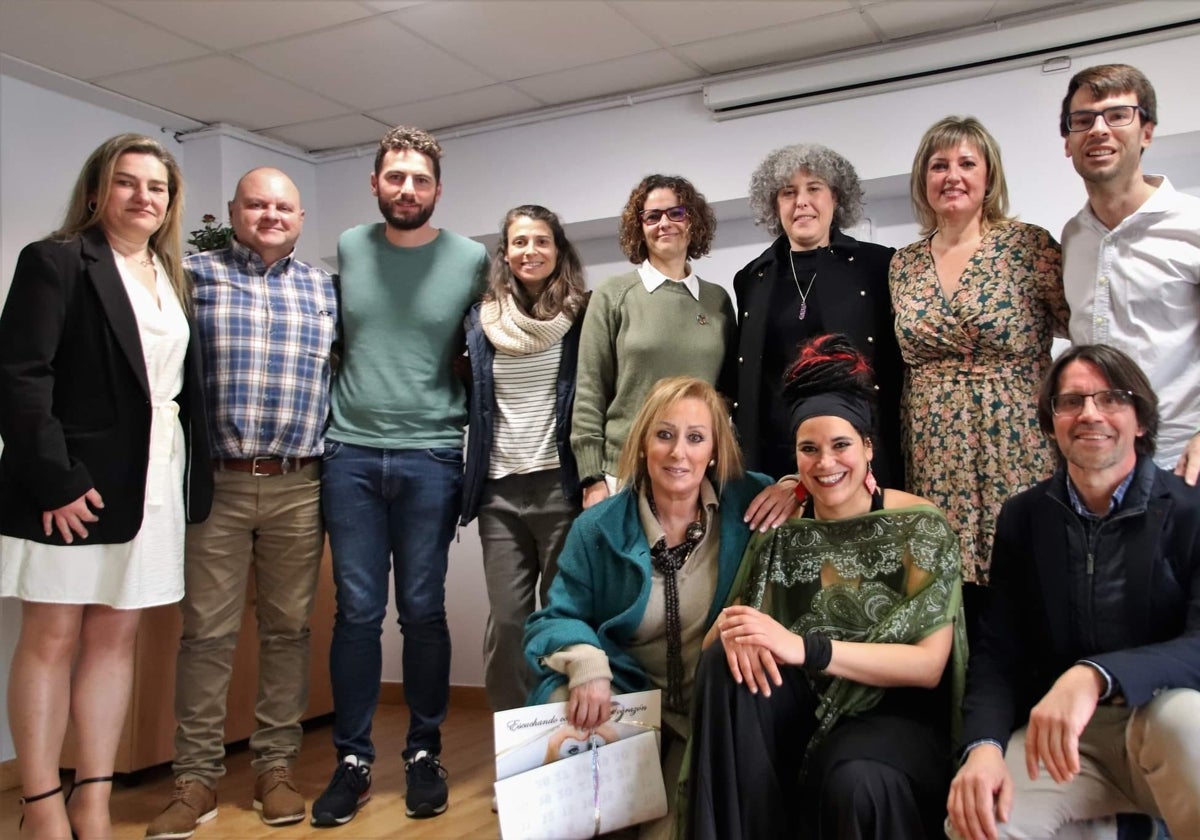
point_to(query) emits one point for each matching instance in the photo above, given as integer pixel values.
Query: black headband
(854, 409)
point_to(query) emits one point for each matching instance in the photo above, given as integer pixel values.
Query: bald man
(266, 323)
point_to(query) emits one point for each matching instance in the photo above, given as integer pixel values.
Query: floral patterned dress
(975, 362)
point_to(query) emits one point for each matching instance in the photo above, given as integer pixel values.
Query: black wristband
(588, 480)
(818, 651)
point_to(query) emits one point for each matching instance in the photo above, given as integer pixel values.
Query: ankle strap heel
(25, 800)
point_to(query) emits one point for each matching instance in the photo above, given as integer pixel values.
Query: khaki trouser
(1143, 760)
(271, 525)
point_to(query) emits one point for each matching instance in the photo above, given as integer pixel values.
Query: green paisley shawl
(887, 576)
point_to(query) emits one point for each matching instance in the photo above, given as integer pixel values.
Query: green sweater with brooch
(632, 338)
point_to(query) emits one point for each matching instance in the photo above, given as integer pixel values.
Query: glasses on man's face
(1115, 117)
(675, 214)
(1107, 402)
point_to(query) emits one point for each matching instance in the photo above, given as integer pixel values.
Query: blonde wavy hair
(727, 456)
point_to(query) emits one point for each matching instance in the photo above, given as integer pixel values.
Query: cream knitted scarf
(514, 333)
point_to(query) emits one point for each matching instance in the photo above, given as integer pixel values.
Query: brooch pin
(702, 319)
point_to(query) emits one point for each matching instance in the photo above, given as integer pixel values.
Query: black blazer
(1027, 638)
(857, 303)
(74, 396)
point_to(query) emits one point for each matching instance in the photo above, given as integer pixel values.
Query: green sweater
(631, 339)
(402, 311)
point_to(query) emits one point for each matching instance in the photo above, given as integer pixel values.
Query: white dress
(147, 570)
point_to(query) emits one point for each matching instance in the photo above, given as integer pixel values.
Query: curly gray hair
(779, 166)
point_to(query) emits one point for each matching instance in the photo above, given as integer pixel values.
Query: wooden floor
(466, 753)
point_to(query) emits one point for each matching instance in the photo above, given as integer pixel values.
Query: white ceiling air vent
(930, 60)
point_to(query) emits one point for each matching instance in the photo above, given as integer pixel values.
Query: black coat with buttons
(855, 302)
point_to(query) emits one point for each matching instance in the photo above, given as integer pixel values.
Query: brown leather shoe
(276, 798)
(192, 803)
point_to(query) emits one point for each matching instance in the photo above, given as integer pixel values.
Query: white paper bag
(555, 782)
(616, 785)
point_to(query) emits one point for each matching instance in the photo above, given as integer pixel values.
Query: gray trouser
(523, 523)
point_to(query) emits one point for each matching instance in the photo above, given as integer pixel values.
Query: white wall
(583, 167)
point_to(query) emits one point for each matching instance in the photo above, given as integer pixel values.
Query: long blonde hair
(90, 195)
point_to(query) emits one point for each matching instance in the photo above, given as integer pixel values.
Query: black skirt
(883, 774)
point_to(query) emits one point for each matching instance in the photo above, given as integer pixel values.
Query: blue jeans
(382, 504)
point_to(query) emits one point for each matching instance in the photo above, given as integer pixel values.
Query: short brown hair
(1109, 80)
(946, 133)
(1122, 373)
(631, 468)
(405, 138)
(701, 217)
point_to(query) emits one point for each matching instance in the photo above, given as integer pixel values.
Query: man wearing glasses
(1083, 690)
(1131, 256)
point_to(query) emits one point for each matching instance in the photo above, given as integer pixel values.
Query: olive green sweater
(632, 338)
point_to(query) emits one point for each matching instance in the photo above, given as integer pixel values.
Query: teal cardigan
(600, 593)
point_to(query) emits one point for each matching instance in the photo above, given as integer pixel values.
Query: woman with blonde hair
(105, 458)
(979, 299)
(645, 572)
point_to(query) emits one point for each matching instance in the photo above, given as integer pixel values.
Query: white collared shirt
(1137, 288)
(652, 278)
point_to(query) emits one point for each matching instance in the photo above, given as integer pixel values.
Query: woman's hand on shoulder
(774, 505)
(70, 518)
(595, 493)
(590, 704)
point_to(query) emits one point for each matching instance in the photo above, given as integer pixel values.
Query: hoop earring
(91, 206)
(871, 484)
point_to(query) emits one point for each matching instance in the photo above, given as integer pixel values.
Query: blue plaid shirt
(265, 335)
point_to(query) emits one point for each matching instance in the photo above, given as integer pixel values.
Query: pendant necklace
(804, 293)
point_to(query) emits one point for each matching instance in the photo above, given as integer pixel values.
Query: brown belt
(263, 466)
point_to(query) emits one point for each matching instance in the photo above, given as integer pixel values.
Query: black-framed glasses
(1106, 402)
(1114, 117)
(676, 214)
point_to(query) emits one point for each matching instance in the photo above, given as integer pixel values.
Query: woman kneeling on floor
(823, 699)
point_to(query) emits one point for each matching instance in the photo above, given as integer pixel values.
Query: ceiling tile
(512, 40)
(796, 42)
(338, 132)
(637, 72)
(905, 18)
(683, 21)
(370, 64)
(209, 21)
(84, 39)
(459, 108)
(223, 89)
